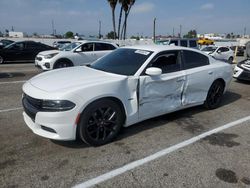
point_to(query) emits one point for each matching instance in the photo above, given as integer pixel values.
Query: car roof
(159, 48)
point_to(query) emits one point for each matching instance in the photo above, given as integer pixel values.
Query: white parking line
(157, 155)
(13, 82)
(11, 109)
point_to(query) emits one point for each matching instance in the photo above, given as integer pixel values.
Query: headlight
(57, 105)
(49, 56)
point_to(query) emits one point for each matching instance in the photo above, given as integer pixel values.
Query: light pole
(154, 30)
(100, 27)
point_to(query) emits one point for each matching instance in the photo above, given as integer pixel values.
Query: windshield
(70, 46)
(209, 49)
(122, 61)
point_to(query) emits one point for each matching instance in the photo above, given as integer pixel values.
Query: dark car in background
(24, 51)
(240, 50)
(5, 42)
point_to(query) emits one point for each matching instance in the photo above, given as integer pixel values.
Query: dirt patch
(245, 180)
(222, 139)
(226, 175)
(11, 74)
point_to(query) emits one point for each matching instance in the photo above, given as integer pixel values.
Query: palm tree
(127, 7)
(112, 4)
(123, 4)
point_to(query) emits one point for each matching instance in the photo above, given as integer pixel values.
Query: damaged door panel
(199, 78)
(162, 94)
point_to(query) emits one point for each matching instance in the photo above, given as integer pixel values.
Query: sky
(83, 16)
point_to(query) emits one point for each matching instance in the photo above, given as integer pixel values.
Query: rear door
(199, 77)
(162, 94)
(222, 53)
(101, 49)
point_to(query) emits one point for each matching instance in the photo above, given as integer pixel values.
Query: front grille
(31, 106)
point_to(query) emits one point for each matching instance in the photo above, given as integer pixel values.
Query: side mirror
(78, 50)
(153, 71)
(219, 52)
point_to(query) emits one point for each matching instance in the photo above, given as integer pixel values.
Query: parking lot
(217, 160)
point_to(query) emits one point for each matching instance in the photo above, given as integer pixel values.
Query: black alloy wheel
(100, 122)
(214, 95)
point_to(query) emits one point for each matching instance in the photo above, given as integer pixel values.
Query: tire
(1, 60)
(63, 63)
(100, 122)
(214, 95)
(230, 60)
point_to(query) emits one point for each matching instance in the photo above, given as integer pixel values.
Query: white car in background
(74, 54)
(127, 86)
(219, 52)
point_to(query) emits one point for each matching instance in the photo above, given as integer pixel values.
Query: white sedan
(127, 86)
(220, 52)
(74, 54)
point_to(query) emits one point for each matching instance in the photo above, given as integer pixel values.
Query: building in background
(16, 34)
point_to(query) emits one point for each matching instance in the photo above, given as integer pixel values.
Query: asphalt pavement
(218, 160)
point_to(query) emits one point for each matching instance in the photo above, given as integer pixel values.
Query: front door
(162, 94)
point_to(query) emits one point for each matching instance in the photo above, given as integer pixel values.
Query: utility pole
(53, 29)
(173, 32)
(245, 30)
(154, 30)
(180, 30)
(100, 27)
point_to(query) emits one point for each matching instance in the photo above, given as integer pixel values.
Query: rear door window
(193, 59)
(103, 47)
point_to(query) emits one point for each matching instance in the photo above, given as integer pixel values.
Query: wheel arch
(115, 99)
(62, 59)
(220, 80)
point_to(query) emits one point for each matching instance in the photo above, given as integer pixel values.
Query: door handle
(210, 72)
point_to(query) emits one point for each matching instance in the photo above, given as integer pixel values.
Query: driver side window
(88, 47)
(168, 62)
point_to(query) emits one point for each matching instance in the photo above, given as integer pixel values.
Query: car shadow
(243, 82)
(152, 123)
(75, 144)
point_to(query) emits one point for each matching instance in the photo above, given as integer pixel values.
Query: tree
(69, 34)
(111, 35)
(191, 34)
(112, 4)
(127, 7)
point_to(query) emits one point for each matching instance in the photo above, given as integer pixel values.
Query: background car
(74, 54)
(240, 50)
(60, 43)
(191, 43)
(5, 42)
(205, 41)
(129, 85)
(242, 69)
(219, 52)
(24, 51)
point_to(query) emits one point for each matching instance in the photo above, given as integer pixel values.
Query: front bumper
(42, 63)
(53, 125)
(241, 74)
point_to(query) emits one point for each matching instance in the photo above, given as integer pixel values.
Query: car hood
(68, 78)
(47, 52)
